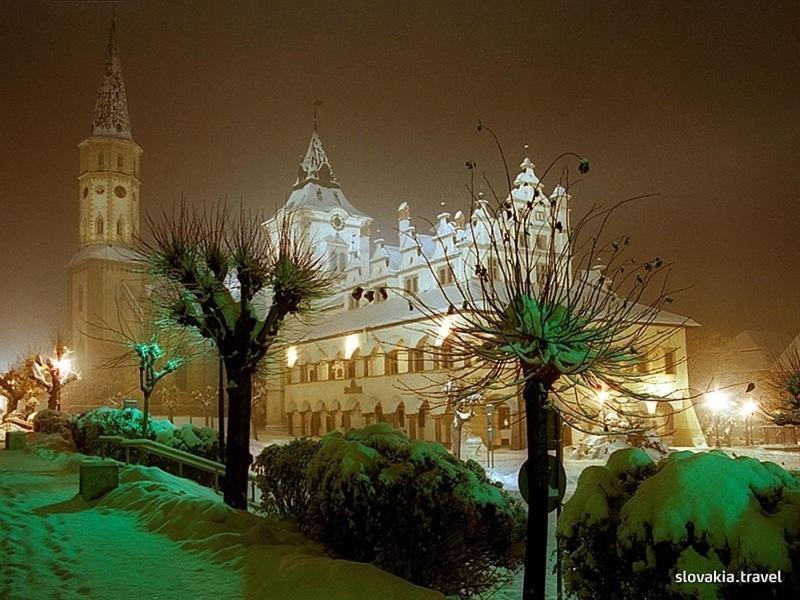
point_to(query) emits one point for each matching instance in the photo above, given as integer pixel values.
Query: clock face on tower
(337, 222)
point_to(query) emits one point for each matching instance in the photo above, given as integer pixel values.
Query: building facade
(364, 357)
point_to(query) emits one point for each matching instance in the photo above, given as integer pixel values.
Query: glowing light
(651, 406)
(748, 408)
(291, 356)
(602, 396)
(350, 345)
(717, 401)
(444, 330)
(63, 364)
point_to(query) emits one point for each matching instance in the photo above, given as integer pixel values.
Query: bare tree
(16, 383)
(53, 372)
(783, 404)
(235, 281)
(529, 313)
(205, 397)
(169, 400)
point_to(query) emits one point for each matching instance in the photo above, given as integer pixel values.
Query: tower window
(98, 226)
(119, 162)
(101, 162)
(120, 228)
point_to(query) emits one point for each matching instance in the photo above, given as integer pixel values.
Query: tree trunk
(237, 450)
(221, 411)
(535, 396)
(146, 414)
(54, 398)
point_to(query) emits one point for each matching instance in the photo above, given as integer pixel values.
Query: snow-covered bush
(89, 426)
(632, 525)
(281, 475)
(413, 509)
(53, 421)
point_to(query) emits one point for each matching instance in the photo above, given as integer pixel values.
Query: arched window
(416, 361)
(393, 362)
(101, 162)
(99, 226)
(120, 228)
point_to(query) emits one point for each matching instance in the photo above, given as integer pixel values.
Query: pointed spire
(111, 108)
(316, 167)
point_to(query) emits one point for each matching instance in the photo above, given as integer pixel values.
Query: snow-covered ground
(156, 536)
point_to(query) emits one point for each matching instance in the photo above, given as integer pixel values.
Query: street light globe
(748, 408)
(64, 364)
(717, 401)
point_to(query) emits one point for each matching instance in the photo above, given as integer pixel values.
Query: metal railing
(181, 458)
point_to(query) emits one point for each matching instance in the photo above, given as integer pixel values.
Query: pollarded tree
(53, 373)
(16, 384)
(529, 313)
(233, 280)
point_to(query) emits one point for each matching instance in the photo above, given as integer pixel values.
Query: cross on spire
(317, 104)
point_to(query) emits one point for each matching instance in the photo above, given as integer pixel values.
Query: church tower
(103, 286)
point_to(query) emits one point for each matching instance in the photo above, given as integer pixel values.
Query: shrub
(413, 509)
(53, 421)
(632, 526)
(89, 426)
(281, 475)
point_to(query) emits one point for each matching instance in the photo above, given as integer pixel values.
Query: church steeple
(316, 167)
(111, 108)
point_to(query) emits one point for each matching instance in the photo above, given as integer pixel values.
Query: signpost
(557, 482)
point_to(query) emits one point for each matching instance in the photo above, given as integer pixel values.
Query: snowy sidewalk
(156, 536)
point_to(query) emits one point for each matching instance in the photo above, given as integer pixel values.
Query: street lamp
(717, 402)
(746, 410)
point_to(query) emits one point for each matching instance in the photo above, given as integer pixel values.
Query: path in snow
(56, 546)
(157, 536)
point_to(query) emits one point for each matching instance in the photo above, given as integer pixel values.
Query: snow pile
(157, 536)
(276, 559)
(631, 525)
(601, 446)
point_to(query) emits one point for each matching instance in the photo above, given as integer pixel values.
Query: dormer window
(411, 284)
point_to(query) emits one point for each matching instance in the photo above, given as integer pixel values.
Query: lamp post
(717, 402)
(746, 410)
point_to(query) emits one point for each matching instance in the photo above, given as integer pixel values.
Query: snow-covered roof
(316, 186)
(103, 252)
(111, 107)
(318, 197)
(396, 311)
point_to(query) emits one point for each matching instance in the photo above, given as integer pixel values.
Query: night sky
(696, 101)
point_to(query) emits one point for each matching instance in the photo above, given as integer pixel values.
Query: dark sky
(697, 101)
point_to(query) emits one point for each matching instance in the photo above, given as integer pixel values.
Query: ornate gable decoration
(111, 108)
